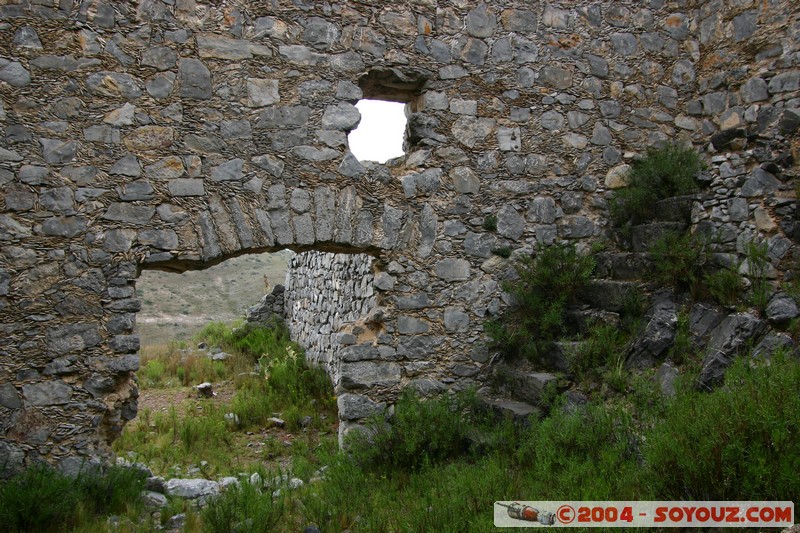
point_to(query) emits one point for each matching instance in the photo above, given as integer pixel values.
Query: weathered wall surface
(175, 134)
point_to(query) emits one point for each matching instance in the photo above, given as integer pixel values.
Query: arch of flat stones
(173, 135)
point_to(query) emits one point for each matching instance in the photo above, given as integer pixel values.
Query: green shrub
(490, 223)
(421, 432)
(602, 348)
(242, 508)
(41, 499)
(724, 285)
(682, 347)
(503, 251)
(548, 281)
(757, 263)
(739, 442)
(679, 260)
(663, 173)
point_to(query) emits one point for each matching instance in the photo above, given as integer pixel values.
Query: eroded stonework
(177, 134)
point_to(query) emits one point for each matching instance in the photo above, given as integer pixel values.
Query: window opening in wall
(379, 135)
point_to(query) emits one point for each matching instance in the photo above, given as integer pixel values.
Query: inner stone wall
(326, 294)
(150, 134)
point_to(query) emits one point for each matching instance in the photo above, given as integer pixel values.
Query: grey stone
(11, 229)
(163, 239)
(160, 86)
(773, 342)
(427, 387)
(597, 66)
(20, 200)
(235, 129)
(26, 37)
(657, 337)
(666, 377)
(114, 84)
(136, 190)
(417, 183)
(126, 166)
(480, 244)
(728, 340)
(683, 73)
(192, 489)
(510, 223)
(552, 120)
(481, 22)
(542, 210)
(781, 310)
(555, 76)
(320, 33)
(194, 79)
(181, 187)
(342, 116)
(455, 319)
(738, 209)
(412, 326)
(132, 214)
(283, 116)
(58, 152)
(228, 171)
(160, 57)
(601, 135)
(11, 459)
(470, 131)
(54, 392)
(745, 25)
(754, 90)
(33, 175)
(465, 180)
(262, 92)
(356, 406)
(576, 227)
(9, 396)
(758, 183)
(15, 75)
(69, 226)
(369, 374)
(509, 139)
(118, 240)
(452, 269)
(785, 82)
(625, 44)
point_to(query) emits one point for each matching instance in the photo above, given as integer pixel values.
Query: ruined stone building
(176, 134)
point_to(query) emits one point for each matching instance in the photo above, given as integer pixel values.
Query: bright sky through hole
(379, 136)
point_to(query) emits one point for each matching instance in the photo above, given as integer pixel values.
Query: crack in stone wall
(174, 135)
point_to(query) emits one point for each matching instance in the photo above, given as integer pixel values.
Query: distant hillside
(176, 306)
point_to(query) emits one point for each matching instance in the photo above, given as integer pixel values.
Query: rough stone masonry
(176, 134)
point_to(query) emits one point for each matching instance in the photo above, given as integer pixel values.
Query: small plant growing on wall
(490, 223)
(662, 173)
(548, 281)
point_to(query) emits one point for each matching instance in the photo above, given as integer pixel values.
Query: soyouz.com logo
(643, 514)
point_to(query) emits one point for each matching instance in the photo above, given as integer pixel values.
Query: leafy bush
(663, 173)
(739, 442)
(757, 263)
(41, 499)
(604, 346)
(724, 285)
(421, 433)
(679, 260)
(548, 281)
(490, 223)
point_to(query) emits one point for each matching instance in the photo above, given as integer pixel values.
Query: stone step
(644, 236)
(529, 387)
(622, 265)
(582, 320)
(607, 295)
(516, 411)
(675, 209)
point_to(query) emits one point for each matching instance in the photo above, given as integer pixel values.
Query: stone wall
(326, 304)
(173, 135)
